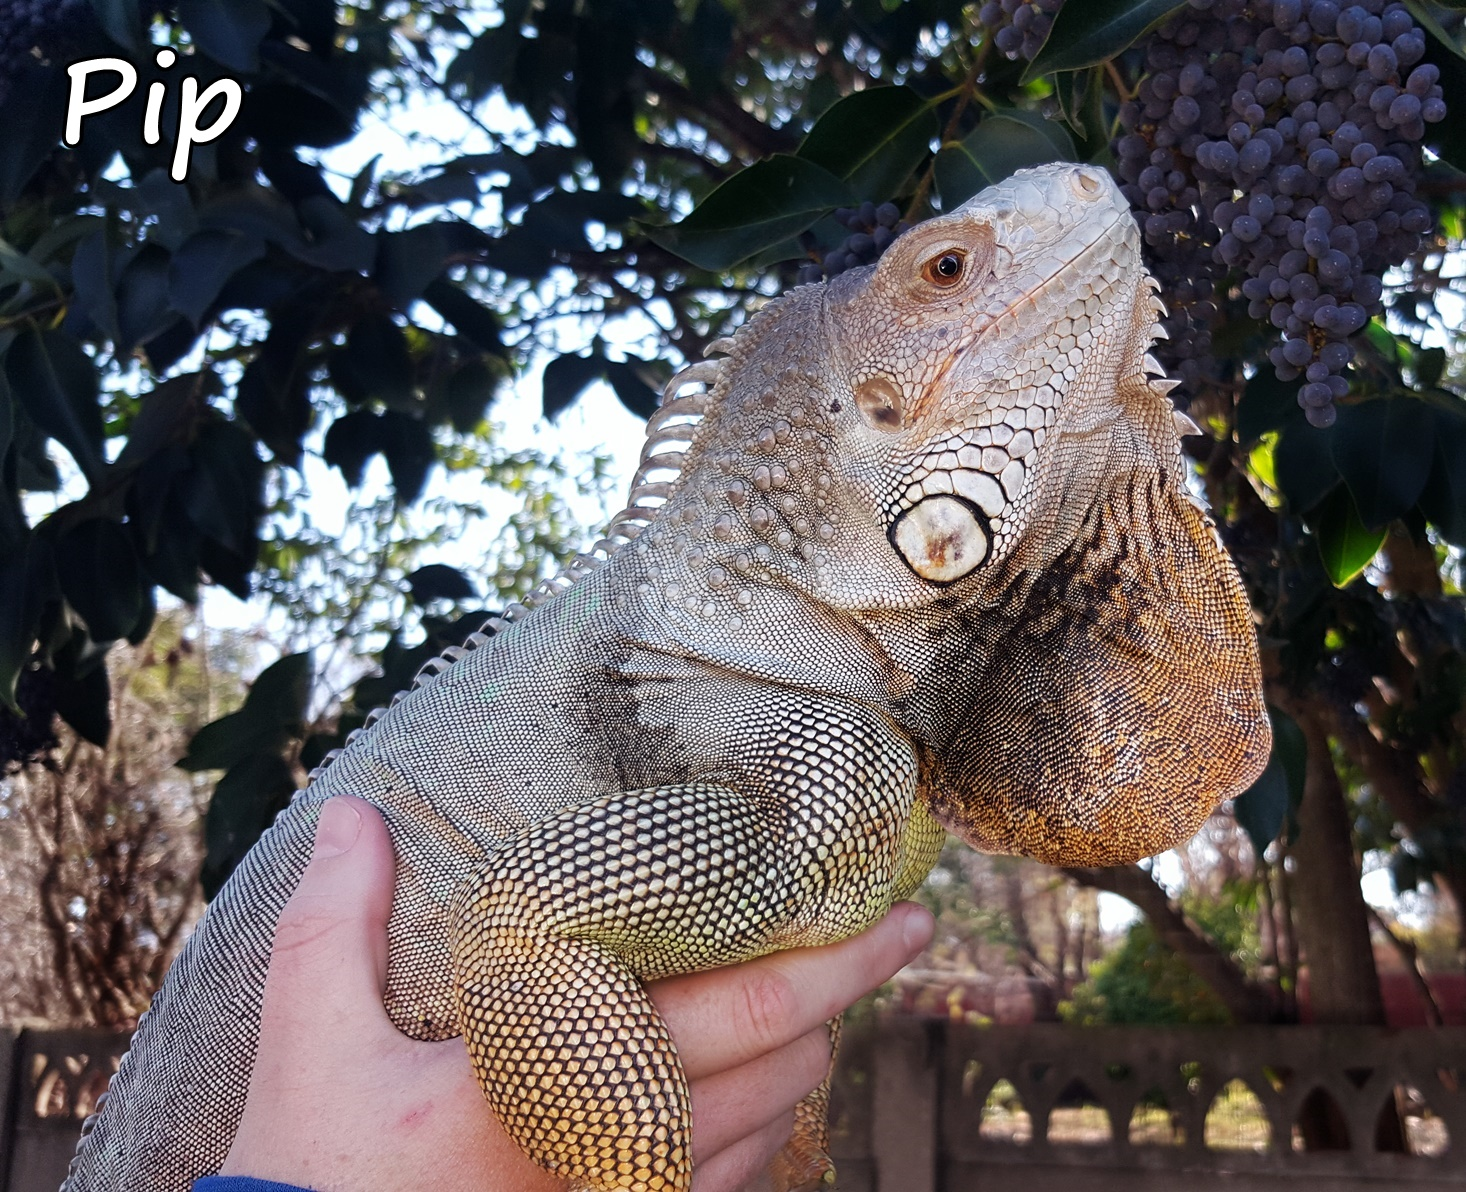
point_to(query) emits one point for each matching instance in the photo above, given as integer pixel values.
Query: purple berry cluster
(37, 29)
(1279, 141)
(1019, 27)
(872, 228)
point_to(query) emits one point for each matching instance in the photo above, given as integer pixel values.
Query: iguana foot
(804, 1165)
(801, 1169)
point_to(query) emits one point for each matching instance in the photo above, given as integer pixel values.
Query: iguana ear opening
(1123, 700)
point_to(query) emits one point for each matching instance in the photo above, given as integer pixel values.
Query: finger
(742, 1101)
(330, 942)
(727, 1017)
(743, 1167)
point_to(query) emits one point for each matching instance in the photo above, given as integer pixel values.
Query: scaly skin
(926, 561)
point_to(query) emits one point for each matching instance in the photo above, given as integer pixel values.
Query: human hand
(341, 1101)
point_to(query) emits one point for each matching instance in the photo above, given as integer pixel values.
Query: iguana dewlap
(915, 553)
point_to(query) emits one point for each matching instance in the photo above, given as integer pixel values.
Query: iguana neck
(732, 567)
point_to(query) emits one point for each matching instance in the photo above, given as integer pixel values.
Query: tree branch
(1246, 1002)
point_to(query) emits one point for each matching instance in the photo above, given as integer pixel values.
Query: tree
(672, 167)
(100, 882)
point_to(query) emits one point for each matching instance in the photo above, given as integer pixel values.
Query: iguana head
(958, 452)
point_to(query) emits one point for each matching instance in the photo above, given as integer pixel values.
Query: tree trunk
(1333, 930)
(1328, 904)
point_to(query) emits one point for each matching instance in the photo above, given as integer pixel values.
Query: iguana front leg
(552, 939)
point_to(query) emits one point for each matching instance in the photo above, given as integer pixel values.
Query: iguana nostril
(941, 539)
(1087, 184)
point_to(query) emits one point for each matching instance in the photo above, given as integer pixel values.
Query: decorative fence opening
(924, 1105)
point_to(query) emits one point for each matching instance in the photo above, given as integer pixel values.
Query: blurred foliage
(1144, 982)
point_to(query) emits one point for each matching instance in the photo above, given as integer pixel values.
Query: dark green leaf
(487, 62)
(146, 618)
(410, 454)
(281, 693)
(285, 114)
(565, 378)
(246, 801)
(7, 417)
(408, 261)
(313, 21)
(172, 557)
(558, 221)
(709, 42)
(142, 298)
(1267, 404)
(873, 139)
(464, 394)
(35, 118)
(1262, 808)
(84, 700)
(437, 581)
(1001, 144)
(632, 388)
(170, 345)
(1088, 33)
(1383, 449)
(172, 205)
(224, 489)
(261, 215)
(352, 440)
(1290, 747)
(276, 404)
(337, 241)
(474, 322)
(99, 575)
(1443, 500)
(35, 470)
(1305, 470)
(26, 582)
(1345, 544)
(92, 275)
(272, 714)
(122, 21)
(1448, 138)
(445, 186)
(378, 358)
(56, 382)
(202, 266)
(1430, 366)
(231, 570)
(756, 208)
(1406, 870)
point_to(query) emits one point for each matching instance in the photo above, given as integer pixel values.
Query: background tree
(101, 846)
(649, 173)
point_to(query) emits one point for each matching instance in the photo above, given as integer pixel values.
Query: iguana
(913, 553)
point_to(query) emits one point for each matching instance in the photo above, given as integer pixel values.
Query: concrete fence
(931, 1106)
(924, 1105)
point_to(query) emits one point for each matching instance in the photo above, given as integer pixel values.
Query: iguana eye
(944, 269)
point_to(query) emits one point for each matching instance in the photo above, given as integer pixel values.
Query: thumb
(330, 942)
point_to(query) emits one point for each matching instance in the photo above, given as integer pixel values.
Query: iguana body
(927, 560)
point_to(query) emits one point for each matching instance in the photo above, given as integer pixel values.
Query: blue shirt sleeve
(240, 1183)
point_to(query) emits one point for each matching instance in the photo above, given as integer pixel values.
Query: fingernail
(916, 932)
(339, 827)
